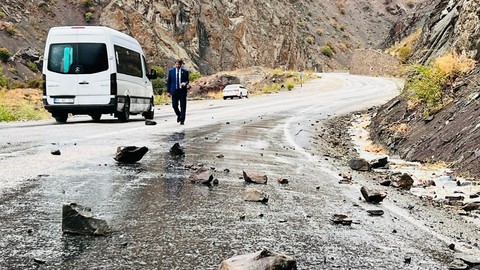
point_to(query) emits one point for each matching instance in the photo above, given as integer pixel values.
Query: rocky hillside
(213, 35)
(452, 134)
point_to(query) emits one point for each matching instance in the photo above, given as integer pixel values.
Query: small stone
(451, 246)
(55, 152)
(378, 212)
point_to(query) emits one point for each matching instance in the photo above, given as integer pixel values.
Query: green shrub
(425, 84)
(32, 66)
(85, 3)
(403, 53)
(320, 31)
(35, 83)
(160, 99)
(3, 79)
(5, 114)
(88, 17)
(159, 86)
(2, 15)
(11, 30)
(327, 51)
(193, 76)
(4, 54)
(160, 71)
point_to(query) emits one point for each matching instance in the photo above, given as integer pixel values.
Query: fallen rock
(255, 195)
(261, 260)
(255, 177)
(380, 163)
(55, 152)
(405, 182)
(341, 219)
(282, 181)
(458, 265)
(469, 259)
(471, 206)
(201, 176)
(130, 154)
(177, 150)
(373, 196)
(150, 122)
(359, 164)
(375, 212)
(386, 183)
(77, 219)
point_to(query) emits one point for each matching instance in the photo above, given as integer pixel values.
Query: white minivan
(95, 70)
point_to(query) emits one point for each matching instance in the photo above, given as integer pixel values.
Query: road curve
(160, 221)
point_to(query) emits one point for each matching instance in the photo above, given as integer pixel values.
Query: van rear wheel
(61, 117)
(124, 115)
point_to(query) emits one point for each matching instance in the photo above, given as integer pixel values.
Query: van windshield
(78, 58)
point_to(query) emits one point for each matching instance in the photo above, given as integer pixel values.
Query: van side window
(78, 58)
(129, 62)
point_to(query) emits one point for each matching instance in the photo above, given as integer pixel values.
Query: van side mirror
(152, 75)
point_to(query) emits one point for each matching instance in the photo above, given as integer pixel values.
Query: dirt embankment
(451, 135)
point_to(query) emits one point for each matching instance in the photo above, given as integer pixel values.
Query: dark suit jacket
(171, 80)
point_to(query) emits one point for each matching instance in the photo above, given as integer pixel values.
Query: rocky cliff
(452, 134)
(215, 35)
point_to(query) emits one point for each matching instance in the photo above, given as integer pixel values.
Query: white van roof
(91, 30)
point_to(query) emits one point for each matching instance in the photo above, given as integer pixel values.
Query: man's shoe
(181, 123)
(178, 119)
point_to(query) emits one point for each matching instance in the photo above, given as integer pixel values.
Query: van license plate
(63, 100)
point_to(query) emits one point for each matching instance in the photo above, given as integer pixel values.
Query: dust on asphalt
(159, 221)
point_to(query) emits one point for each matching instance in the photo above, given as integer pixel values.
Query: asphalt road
(160, 221)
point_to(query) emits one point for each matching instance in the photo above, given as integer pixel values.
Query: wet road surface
(160, 221)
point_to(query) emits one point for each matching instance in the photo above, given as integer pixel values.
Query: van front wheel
(124, 115)
(61, 117)
(96, 116)
(151, 111)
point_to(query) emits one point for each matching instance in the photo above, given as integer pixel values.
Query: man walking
(177, 85)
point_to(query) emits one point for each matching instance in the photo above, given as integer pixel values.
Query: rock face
(261, 260)
(217, 36)
(452, 25)
(456, 138)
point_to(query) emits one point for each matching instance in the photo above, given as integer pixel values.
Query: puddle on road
(445, 183)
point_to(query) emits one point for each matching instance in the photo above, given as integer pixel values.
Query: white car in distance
(235, 90)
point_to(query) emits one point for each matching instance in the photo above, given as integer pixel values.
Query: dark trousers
(180, 95)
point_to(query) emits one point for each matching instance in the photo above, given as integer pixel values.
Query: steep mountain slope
(214, 35)
(452, 134)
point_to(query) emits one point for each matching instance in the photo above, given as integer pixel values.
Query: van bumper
(111, 107)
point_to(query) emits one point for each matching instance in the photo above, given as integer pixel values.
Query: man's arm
(168, 82)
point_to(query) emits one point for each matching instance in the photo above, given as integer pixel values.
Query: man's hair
(180, 61)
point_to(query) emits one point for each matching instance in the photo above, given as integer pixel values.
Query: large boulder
(77, 219)
(261, 260)
(359, 164)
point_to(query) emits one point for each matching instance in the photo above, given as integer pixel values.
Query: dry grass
(399, 129)
(403, 49)
(21, 104)
(453, 63)
(215, 95)
(373, 148)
